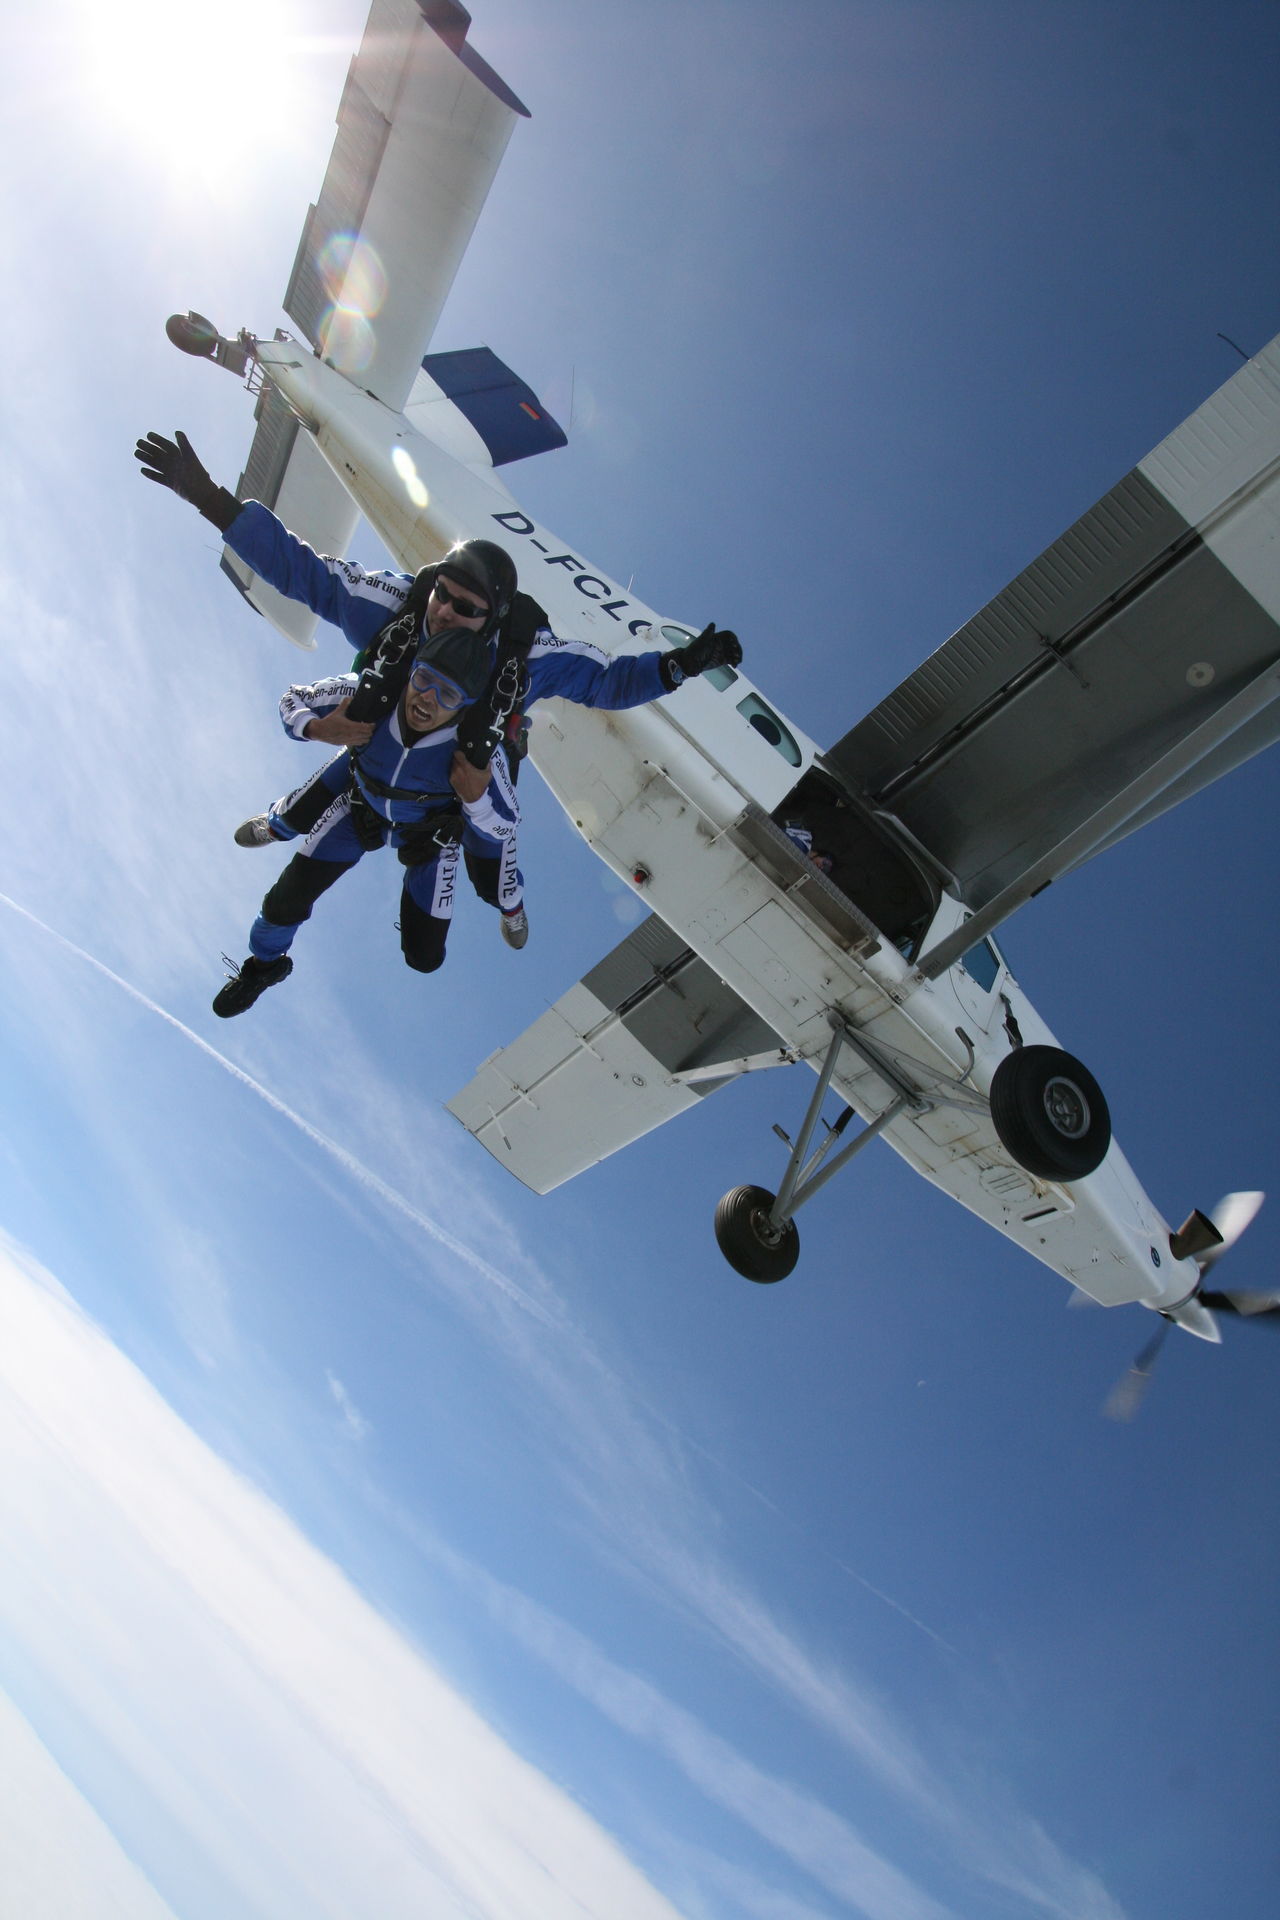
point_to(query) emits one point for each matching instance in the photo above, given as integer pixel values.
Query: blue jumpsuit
(360, 603)
(344, 813)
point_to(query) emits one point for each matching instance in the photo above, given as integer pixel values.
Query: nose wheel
(749, 1240)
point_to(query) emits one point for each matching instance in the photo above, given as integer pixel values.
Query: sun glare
(196, 91)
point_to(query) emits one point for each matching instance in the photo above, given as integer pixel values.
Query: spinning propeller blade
(1129, 1391)
(1230, 1217)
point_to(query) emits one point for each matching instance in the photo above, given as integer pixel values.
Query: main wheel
(1050, 1113)
(749, 1243)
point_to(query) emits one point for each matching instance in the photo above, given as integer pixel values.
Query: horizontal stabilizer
(505, 412)
(287, 473)
(604, 1064)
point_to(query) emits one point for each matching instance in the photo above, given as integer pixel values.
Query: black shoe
(250, 979)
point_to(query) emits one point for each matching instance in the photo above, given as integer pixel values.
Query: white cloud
(58, 1861)
(977, 1815)
(748, 1891)
(282, 1748)
(822, 1843)
(353, 1421)
(625, 1461)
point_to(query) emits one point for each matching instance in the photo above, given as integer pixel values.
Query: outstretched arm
(357, 601)
(174, 464)
(577, 671)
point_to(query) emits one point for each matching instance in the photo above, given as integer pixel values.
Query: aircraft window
(718, 677)
(770, 728)
(982, 964)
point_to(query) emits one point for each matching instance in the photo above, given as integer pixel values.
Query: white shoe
(515, 927)
(256, 832)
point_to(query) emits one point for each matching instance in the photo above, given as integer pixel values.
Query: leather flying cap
(487, 567)
(463, 657)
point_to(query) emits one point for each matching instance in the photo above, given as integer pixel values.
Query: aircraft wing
(1130, 665)
(645, 1034)
(289, 474)
(422, 126)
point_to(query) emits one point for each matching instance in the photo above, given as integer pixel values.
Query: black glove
(710, 649)
(176, 465)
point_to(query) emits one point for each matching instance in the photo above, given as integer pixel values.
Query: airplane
(834, 907)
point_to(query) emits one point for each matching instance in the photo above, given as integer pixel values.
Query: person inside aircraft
(860, 855)
(385, 614)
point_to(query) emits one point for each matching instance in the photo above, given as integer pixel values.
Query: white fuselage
(656, 790)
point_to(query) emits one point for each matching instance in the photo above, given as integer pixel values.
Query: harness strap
(382, 791)
(498, 714)
(385, 664)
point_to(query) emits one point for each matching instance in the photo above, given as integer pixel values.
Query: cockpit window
(982, 964)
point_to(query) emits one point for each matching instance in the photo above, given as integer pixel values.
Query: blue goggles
(449, 695)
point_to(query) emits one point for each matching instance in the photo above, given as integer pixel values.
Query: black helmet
(461, 656)
(487, 567)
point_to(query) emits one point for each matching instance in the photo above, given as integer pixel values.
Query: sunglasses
(449, 697)
(465, 609)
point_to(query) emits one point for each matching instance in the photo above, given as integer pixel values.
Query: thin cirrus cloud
(258, 1730)
(1009, 1851)
(804, 1830)
(611, 1441)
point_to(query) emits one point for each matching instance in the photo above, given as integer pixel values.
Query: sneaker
(256, 832)
(250, 979)
(515, 927)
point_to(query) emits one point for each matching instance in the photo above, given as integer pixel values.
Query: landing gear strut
(754, 1228)
(1048, 1112)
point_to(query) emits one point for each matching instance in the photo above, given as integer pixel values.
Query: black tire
(746, 1241)
(1050, 1113)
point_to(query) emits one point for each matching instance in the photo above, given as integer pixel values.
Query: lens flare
(356, 282)
(402, 461)
(353, 275)
(346, 340)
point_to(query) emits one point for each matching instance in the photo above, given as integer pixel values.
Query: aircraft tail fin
(496, 403)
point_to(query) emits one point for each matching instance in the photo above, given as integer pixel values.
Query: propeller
(1130, 1389)
(1207, 1241)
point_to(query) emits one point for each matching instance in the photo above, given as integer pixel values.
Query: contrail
(441, 1235)
(345, 1159)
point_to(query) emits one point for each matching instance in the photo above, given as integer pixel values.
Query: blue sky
(380, 1539)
